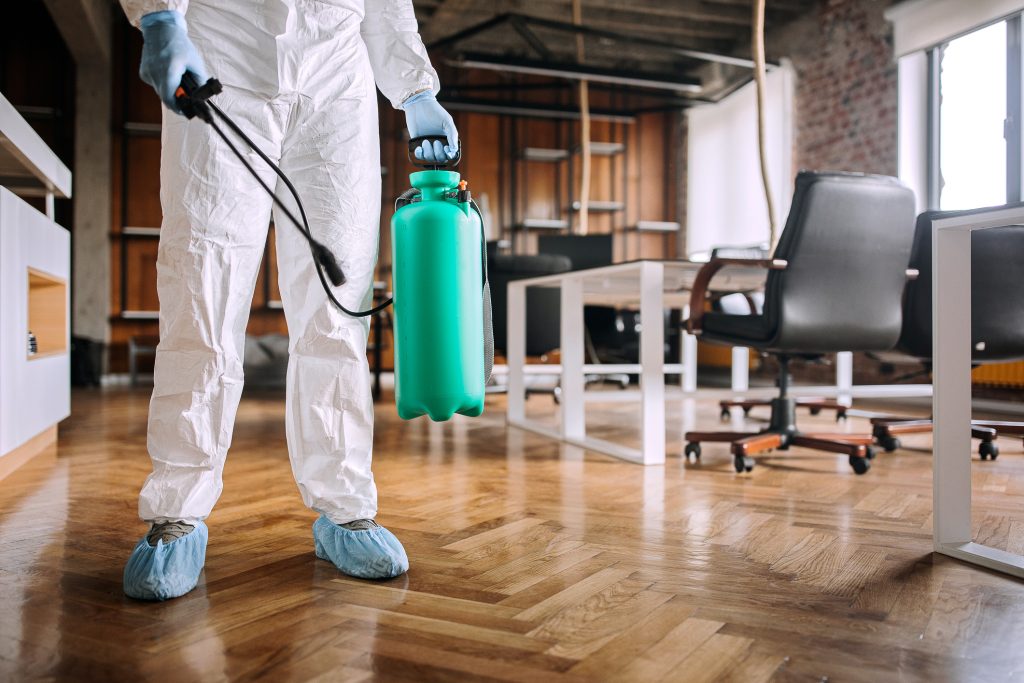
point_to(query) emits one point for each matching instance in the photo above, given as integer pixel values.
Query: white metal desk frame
(951, 400)
(652, 367)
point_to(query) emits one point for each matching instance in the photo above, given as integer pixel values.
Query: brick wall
(846, 90)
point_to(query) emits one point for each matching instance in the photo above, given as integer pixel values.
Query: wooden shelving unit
(664, 228)
(610, 209)
(47, 314)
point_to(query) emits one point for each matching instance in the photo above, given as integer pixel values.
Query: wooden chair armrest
(694, 324)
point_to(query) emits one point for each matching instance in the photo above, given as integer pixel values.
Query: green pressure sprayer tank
(440, 297)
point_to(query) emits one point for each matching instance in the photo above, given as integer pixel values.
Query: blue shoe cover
(167, 570)
(366, 554)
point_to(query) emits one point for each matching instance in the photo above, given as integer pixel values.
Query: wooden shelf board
(47, 313)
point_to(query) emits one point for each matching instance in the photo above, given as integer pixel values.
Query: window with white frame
(960, 101)
(972, 154)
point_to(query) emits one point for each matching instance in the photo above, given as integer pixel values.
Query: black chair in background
(997, 319)
(612, 333)
(752, 303)
(543, 305)
(834, 284)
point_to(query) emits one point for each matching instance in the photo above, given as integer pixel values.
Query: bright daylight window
(972, 149)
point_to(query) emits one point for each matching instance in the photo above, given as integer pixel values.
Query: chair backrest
(997, 292)
(847, 241)
(543, 306)
(585, 251)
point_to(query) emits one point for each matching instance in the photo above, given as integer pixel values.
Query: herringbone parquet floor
(530, 562)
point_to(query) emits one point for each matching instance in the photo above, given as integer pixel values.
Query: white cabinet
(35, 257)
(35, 278)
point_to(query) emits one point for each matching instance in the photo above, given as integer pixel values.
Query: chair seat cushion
(752, 328)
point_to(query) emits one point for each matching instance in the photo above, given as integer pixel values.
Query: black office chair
(752, 303)
(997, 319)
(834, 284)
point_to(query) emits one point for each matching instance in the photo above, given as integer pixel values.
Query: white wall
(921, 24)
(913, 125)
(724, 200)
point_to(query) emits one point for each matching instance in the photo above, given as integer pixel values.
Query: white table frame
(951, 401)
(653, 299)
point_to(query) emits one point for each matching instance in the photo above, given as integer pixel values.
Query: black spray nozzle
(325, 257)
(191, 97)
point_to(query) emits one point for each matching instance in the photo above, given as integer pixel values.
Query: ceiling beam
(85, 26)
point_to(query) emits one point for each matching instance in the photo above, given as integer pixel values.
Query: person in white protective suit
(299, 78)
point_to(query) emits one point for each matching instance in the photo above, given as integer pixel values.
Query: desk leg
(740, 368)
(516, 352)
(688, 351)
(844, 377)
(572, 383)
(652, 362)
(951, 401)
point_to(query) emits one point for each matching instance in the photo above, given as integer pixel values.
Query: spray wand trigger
(191, 97)
(325, 257)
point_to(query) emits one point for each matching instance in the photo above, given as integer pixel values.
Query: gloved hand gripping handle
(414, 144)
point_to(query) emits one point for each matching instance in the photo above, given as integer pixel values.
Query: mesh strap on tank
(488, 331)
(488, 313)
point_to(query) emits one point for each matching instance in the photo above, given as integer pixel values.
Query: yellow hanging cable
(757, 48)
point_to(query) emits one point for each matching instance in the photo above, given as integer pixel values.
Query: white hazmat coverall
(299, 78)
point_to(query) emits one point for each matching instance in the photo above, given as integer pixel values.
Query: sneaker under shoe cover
(362, 548)
(170, 568)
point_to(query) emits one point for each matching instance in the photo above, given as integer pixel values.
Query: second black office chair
(997, 319)
(834, 284)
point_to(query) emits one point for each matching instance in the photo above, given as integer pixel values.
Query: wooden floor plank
(530, 561)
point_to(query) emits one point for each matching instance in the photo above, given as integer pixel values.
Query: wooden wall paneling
(539, 179)
(116, 206)
(140, 274)
(654, 178)
(260, 292)
(142, 181)
(139, 103)
(135, 199)
(273, 285)
(481, 164)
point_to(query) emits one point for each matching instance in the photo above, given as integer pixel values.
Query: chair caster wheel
(840, 416)
(725, 414)
(988, 450)
(860, 465)
(870, 452)
(815, 410)
(889, 443)
(692, 449)
(742, 463)
(746, 411)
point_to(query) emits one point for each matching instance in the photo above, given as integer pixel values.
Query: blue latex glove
(167, 53)
(424, 116)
